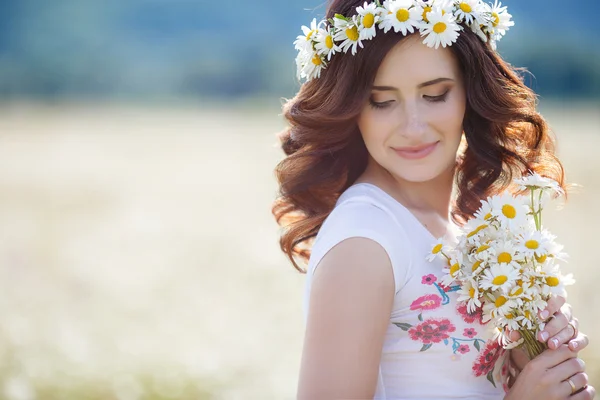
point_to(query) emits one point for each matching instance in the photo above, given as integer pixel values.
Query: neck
(430, 196)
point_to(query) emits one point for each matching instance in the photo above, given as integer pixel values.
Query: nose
(412, 124)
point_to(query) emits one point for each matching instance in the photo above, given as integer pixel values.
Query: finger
(564, 336)
(551, 358)
(566, 369)
(579, 343)
(586, 394)
(580, 380)
(553, 327)
(514, 335)
(553, 305)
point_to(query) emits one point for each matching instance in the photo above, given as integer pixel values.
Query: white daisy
(536, 181)
(441, 29)
(325, 44)
(501, 21)
(453, 272)
(469, 292)
(438, 250)
(370, 15)
(312, 65)
(304, 42)
(400, 15)
(478, 29)
(509, 320)
(348, 32)
(499, 306)
(510, 211)
(499, 276)
(505, 253)
(485, 210)
(532, 243)
(467, 11)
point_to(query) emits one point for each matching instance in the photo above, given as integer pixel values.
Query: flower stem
(533, 346)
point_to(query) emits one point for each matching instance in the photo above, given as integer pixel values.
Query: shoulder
(372, 227)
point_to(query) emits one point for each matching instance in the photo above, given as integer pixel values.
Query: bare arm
(350, 305)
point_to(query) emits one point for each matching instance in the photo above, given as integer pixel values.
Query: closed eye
(379, 105)
(435, 99)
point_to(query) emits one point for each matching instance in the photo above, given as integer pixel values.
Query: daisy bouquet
(506, 265)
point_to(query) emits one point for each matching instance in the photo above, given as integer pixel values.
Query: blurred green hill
(162, 48)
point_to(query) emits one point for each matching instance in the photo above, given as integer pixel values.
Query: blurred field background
(138, 256)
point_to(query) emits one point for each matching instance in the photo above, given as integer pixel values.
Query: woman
(407, 120)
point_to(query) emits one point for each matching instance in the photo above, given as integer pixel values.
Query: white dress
(432, 348)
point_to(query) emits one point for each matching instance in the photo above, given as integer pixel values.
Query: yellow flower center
(483, 247)
(532, 244)
(368, 20)
(477, 230)
(552, 281)
(476, 265)
(509, 316)
(425, 11)
(487, 216)
(352, 33)
(509, 211)
(472, 292)
(500, 279)
(504, 257)
(496, 20)
(517, 292)
(541, 258)
(402, 15)
(465, 7)
(437, 248)
(439, 27)
(500, 301)
(454, 269)
(527, 314)
(317, 60)
(329, 42)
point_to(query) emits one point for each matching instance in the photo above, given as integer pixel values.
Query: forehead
(411, 62)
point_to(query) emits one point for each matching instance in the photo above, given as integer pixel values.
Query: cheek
(373, 127)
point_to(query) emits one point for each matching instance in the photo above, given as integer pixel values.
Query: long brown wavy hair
(505, 136)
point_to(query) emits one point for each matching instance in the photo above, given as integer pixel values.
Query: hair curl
(505, 136)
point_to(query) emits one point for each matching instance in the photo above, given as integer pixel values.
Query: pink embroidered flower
(428, 279)
(470, 333)
(432, 330)
(487, 358)
(468, 317)
(463, 348)
(427, 302)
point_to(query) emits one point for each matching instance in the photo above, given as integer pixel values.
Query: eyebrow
(420, 85)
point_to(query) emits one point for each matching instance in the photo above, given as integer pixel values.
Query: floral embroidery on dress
(429, 331)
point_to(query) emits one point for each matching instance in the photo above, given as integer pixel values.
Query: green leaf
(420, 317)
(425, 347)
(340, 16)
(476, 344)
(403, 325)
(491, 378)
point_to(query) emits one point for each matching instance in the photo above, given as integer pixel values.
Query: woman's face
(412, 123)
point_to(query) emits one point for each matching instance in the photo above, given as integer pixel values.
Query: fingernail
(544, 314)
(555, 342)
(574, 345)
(544, 336)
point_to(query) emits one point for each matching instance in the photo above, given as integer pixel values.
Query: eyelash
(432, 99)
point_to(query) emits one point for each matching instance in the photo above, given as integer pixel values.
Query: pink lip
(416, 152)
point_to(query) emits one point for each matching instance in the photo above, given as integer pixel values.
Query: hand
(545, 377)
(557, 331)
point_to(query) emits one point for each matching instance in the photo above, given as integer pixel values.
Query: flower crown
(438, 20)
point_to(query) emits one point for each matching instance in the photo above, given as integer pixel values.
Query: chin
(419, 174)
